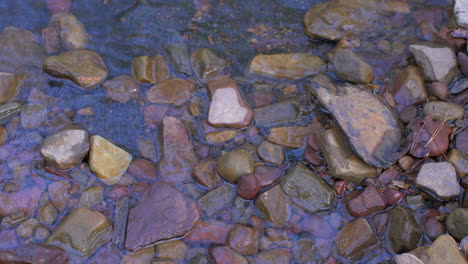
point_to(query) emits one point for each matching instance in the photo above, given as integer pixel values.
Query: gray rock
(306, 189)
(403, 232)
(460, 9)
(439, 178)
(277, 113)
(33, 115)
(350, 67)
(438, 63)
(457, 223)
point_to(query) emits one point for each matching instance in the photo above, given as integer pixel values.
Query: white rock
(439, 178)
(438, 63)
(460, 9)
(65, 149)
(407, 258)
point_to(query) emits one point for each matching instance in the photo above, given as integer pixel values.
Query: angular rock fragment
(403, 232)
(206, 64)
(408, 87)
(439, 178)
(71, 31)
(179, 57)
(457, 223)
(65, 149)
(356, 239)
(438, 63)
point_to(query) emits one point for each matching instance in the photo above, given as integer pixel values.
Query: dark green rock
(457, 223)
(403, 232)
(306, 189)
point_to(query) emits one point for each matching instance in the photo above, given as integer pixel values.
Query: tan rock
(174, 91)
(341, 160)
(3, 135)
(350, 67)
(206, 64)
(444, 250)
(275, 206)
(227, 108)
(121, 88)
(82, 232)
(459, 161)
(171, 250)
(142, 256)
(108, 161)
(287, 66)
(10, 84)
(232, 165)
(71, 31)
(146, 69)
(356, 239)
(407, 258)
(440, 110)
(270, 152)
(292, 136)
(397, 6)
(220, 136)
(84, 67)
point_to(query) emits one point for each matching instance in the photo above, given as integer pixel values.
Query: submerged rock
(408, 87)
(366, 203)
(173, 91)
(440, 110)
(356, 239)
(341, 160)
(244, 239)
(146, 69)
(287, 66)
(306, 189)
(438, 63)
(232, 165)
(34, 254)
(84, 67)
(336, 19)
(227, 108)
(206, 64)
(161, 213)
(33, 115)
(71, 31)
(274, 256)
(403, 232)
(443, 250)
(179, 57)
(10, 84)
(350, 67)
(271, 153)
(217, 199)
(225, 255)
(292, 136)
(82, 232)
(371, 127)
(457, 223)
(121, 88)
(439, 178)
(277, 113)
(275, 206)
(108, 161)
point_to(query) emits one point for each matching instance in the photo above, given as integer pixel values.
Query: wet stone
(143, 169)
(244, 239)
(65, 149)
(356, 239)
(457, 223)
(350, 67)
(267, 175)
(443, 110)
(34, 253)
(303, 251)
(232, 165)
(220, 136)
(341, 160)
(460, 10)
(8, 110)
(287, 66)
(213, 232)
(205, 173)
(141, 256)
(146, 69)
(439, 90)
(10, 84)
(59, 195)
(175, 250)
(403, 231)
(82, 232)
(225, 255)
(121, 88)
(3, 135)
(71, 31)
(271, 153)
(173, 91)
(370, 126)
(109, 254)
(306, 189)
(179, 57)
(25, 200)
(108, 161)
(439, 178)
(120, 221)
(227, 108)
(84, 67)
(459, 161)
(407, 258)
(366, 203)
(275, 206)
(47, 214)
(292, 136)
(408, 87)
(277, 114)
(33, 115)
(206, 64)
(200, 260)
(91, 197)
(26, 228)
(248, 186)
(217, 199)
(161, 213)
(438, 63)
(275, 256)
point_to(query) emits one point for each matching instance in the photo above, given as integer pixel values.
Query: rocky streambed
(204, 132)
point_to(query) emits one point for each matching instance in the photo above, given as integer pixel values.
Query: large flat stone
(370, 126)
(161, 213)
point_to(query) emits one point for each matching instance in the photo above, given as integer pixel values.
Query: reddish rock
(292, 136)
(420, 137)
(312, 158)
(117, 191)
(244, 239)
(143, 169)
(25, 200)
(439, 90)
(32, 253)
(205, 173)
(366, 203)
(178, 155)
(312, 142)
(161, 213)
(174, 91)
(393, 197)
(267, 175)
(214, 232)
(275, 206)
(433, 228)
(275, 256)
(317, 226)
(225, 255)
(154, 114)
(121, 88)
(340, 187)
(59, 6)
(356, 239)
(388, 175)
(3, 135)
(248, 186)
(139, 187)
(258, 224)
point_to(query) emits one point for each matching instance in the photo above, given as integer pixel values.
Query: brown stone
(271, 153)
(10, 84)
(84, 67)
(205, 173)
(312, 157)
(3, 135)
(147, 69)
(267, 175)
(406, 162)
(232, 165)
(248, 186)
(175, 250)
(71, 31)
(34, 253)
(206, 64)
(50, 40)
(244, 239)
(350, 67)
(225, 255)
(227, 108)
(393, 197)
(368, 202)
(356, 239)
(47, 214)
(219, 137)
(91, 197)
(433, 228)
(217, 199)
(287, 66)
(143, 169)
(443, 110)
(173, 91)
(161, 213)
(65, 149)
(274, 256)
(25, 200)
(439, 90)
(459, 161)
(275, 206)
(121, 88)
(59, 195)
(292, 136)
(213, 232)
(408, 86)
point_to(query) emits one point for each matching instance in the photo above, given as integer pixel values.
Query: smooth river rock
(206, 64)
(444, 250)
(439, 178)
(287, 66)
(227, 108)
(108, 161)
(10, 84)
(275, 206)
(404, 232)
(277, 113)
(306, 189)
(232, 165)
(342, 162)
(122, 88)
(173, 91)
(371, 127)
(84, 67)
(457, 223)
(65, 149)
(146, 69)
(161, 213)
(352, 68)
(293, 136)
(440, 110)
(82, 232)
(408, 87)
(438, 63)
(356, 239)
